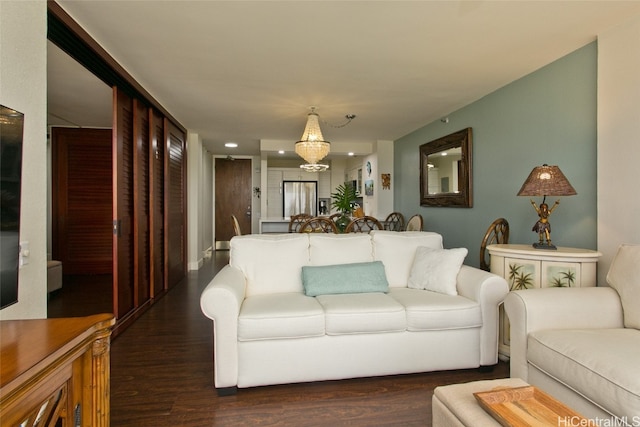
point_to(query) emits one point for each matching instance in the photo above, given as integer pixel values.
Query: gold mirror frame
(460, 197)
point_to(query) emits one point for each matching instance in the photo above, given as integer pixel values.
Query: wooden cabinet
(526, 268)
(55, 372)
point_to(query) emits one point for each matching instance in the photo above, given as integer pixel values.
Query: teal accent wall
(548, 116)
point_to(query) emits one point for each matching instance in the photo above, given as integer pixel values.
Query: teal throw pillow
(344, 278)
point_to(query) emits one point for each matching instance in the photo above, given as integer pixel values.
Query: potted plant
(343, 200)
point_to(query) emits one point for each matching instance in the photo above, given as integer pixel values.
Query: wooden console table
(525, 267)
(55, 371)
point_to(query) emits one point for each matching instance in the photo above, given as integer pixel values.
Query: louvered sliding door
(123, 260)
(81, 199)
(156, 201)
(175, 204)
(141, 232)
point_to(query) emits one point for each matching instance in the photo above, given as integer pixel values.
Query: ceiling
(246, 71)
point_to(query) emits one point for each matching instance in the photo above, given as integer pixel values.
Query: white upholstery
(54, 275)
(607, 373)
(329, 249)
(623, 277)
(362, 313)
(573, 344)
(397, 251)
(266, 331)
(455, 405)
(283, 315)
(432, 311)
(262, 259)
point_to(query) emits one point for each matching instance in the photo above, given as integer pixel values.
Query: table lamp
(545, 181)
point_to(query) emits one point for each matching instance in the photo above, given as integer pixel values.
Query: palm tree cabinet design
(526, 268)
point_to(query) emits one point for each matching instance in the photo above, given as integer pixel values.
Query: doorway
(81, 190)
(233, 197)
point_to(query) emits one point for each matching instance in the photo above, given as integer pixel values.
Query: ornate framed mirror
(445, 171)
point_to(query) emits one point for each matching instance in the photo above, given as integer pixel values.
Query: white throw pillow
(437, 269)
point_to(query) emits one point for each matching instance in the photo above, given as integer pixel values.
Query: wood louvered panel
(156, 201)
(141, 203)
(81, 199)
(175, 204)
(123, 267)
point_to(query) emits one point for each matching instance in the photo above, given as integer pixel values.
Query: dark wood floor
(162, 375)
(82, 295)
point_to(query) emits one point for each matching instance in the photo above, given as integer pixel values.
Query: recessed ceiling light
(230, 144)
(280, 151)
(350, 153)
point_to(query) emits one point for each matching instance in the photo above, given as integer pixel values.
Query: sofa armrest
(557, 308)
(489, 290)
(221, 301)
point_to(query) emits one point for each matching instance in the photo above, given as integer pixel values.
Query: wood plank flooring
(162, 375)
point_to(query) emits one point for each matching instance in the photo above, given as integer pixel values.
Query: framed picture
(368, 187)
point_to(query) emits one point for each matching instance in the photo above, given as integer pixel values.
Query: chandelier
(312, 147)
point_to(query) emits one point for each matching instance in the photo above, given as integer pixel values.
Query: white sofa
(268, 331)
(582, 345)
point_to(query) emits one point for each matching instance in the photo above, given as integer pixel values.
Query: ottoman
(54, 275)
(455, 405)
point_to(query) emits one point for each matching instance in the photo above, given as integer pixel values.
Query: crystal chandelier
(312, 147)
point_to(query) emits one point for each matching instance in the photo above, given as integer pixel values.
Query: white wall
(384, 153)
(618, 140)
(23, 87)
(199, 197)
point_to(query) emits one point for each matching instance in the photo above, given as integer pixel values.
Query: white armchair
(582, 344)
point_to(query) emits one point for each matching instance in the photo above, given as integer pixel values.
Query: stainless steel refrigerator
(300, 197)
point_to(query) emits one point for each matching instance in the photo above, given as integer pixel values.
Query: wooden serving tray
(526, 406)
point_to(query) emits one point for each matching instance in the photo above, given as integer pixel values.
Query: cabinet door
(560, 274)
(521, 273)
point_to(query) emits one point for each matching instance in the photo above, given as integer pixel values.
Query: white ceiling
(244, 71)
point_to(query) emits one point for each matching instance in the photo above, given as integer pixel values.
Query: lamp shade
(546, 180)
(312, 147)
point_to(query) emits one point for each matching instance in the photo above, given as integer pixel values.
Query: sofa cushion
(396, 250)
(623, 276)
(427, 311)
(271, 263)
(600, 364)
(344, 278)
(362, 313)
(437, 269)
(275, 316)
(326, 249)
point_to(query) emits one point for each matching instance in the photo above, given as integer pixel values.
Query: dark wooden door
(123, 254)
(175, 204)
(141, 231)
(156, 200)
(81, 199)
(233, 197)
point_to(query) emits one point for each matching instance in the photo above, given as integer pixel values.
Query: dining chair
(318, 225)
(236, 225)
(415, 223)
(498, 232)
(296, 222)
(394, 222)
(363, 225)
